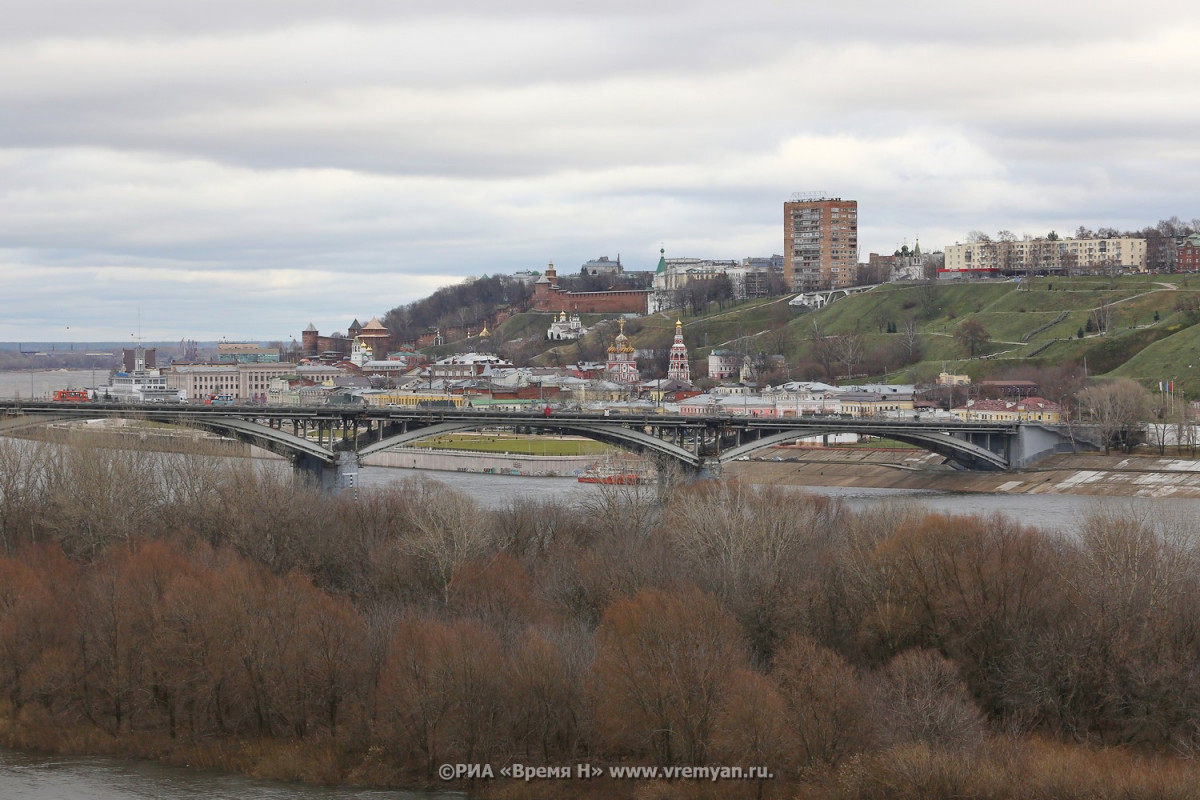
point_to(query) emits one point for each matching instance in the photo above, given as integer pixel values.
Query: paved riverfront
(1079, 473)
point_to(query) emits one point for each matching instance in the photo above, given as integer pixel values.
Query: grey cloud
(272, 150)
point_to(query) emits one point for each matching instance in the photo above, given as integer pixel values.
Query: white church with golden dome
(563, 329)
(621, 366)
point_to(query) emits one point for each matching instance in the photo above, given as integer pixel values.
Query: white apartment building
(1041, 254)
(247, 382)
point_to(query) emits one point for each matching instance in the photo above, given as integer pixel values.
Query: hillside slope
(1143, 327)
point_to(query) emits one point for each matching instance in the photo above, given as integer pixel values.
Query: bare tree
(21, 478)
(826, 709)
(911, 338)
(1117, 408)
(663, 662)
(821, 349)
(1102, 317)
(1185, 429)
(848, 349)
(921, 698)
(449, 531)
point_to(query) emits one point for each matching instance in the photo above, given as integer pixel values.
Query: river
(1058, 512)
(36, 777)
(41, 384)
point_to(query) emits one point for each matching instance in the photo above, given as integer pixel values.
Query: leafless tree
(920, 697)
(826, 708)
(911, 338)
(22, 478)
(1185, 428)
(448, 530)
(848, 349)
(663, 663)
(1117, 408)
(1102, 317)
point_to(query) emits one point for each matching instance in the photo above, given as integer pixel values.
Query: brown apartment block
(820, 239)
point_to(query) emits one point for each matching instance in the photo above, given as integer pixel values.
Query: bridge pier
(332, 478)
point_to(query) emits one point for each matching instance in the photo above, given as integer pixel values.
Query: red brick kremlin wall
(628, 301)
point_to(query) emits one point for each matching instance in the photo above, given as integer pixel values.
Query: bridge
(817, 299)
(327, 441)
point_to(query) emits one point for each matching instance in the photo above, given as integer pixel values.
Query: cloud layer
(240, 169)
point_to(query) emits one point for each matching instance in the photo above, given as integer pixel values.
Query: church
(621, 366)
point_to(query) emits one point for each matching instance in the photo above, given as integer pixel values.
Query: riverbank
(1116, 475)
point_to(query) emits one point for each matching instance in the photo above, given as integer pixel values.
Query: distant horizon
(56, 345)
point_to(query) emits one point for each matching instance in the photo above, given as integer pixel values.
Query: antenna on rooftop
(811, 194)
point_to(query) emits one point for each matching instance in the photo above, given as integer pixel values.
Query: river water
(41, 384)
(1058, 512)
(34, 777)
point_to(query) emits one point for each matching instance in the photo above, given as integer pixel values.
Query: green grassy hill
(1031, 324)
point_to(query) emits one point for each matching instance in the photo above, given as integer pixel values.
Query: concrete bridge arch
(616, 435)
(961, 452)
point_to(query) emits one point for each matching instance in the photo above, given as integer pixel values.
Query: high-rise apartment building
(820, 239)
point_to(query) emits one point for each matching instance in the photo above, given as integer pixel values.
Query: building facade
(1187, 253)
(820, 241)
(314, 345)
(1044, 255)
(245, 352)
(602, 266)
(467, 365)
(246, 382)
(1031, 409)
(724, 364)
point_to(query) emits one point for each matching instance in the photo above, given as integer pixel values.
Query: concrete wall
(1036, 442)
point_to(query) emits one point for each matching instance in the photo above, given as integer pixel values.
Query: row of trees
(469, 303)
(708, 623)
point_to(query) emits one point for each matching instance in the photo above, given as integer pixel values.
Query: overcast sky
(240, 168)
